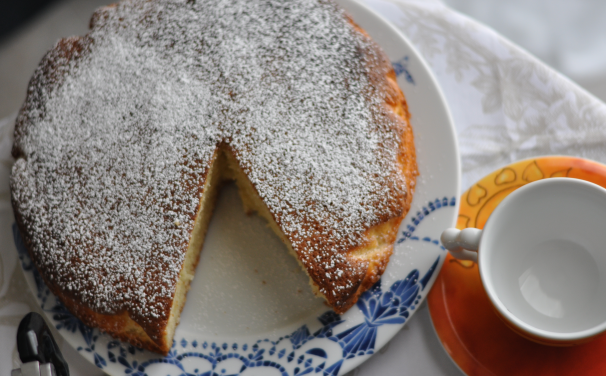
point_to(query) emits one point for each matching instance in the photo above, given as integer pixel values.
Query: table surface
(416, 348)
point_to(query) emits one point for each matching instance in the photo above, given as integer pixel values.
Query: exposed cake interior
(223, 168)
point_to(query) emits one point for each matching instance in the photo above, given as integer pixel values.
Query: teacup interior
(547, 258)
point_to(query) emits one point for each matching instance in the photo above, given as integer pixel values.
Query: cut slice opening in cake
(271, 287)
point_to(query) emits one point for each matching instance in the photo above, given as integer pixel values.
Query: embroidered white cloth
(506, 106)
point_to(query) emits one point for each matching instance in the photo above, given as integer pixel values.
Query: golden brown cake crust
(380, 239)
(119, 129)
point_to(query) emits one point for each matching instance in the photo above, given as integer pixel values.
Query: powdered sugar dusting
(115, 152)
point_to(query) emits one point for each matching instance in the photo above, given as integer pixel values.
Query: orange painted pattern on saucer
(469, 329)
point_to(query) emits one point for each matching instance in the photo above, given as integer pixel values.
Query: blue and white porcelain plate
(250, 310)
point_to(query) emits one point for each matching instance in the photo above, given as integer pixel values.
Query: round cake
(128, 132)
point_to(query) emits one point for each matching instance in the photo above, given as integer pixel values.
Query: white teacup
(542, 259)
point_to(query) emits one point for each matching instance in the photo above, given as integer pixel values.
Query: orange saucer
(469, 329)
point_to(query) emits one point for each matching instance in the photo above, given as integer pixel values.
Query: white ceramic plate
(250, 310)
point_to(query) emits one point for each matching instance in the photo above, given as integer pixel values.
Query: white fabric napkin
(506, 106)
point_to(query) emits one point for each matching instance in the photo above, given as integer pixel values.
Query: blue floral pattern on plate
(401, 69)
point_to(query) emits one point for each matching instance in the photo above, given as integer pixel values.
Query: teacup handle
(462, 244)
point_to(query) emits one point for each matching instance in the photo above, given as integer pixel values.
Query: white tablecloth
(506, 106)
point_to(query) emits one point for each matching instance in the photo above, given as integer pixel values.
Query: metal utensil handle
(36, 344)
